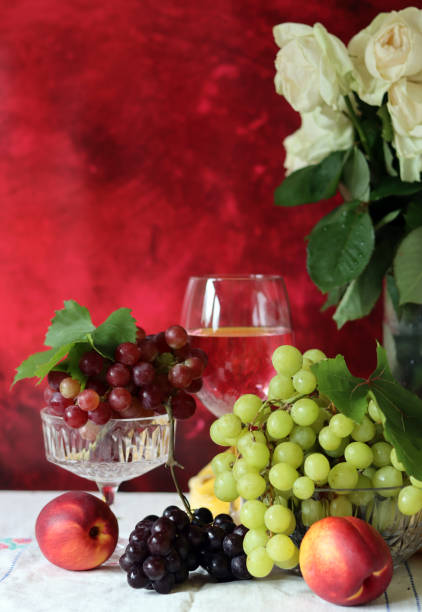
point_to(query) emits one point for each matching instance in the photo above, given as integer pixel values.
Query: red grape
(197, 352)
(180, 376)
(128, 353)
(88, 400)
(143, 373)
(118, 375)
(195, 386)
(176, 336)
(59, 403)
(54, 379)
(149, 350)
(75, 417)
(183, 405)
(140, 333)
(97, 384)
(69, 387)
(91, 363)
(119, 399)
(196, 366)
(151, 397)
(101, 415)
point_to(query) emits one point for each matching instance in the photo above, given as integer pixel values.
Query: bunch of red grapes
(145, 376)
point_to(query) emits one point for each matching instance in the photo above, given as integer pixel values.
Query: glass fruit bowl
(120, 450)
(377, 506)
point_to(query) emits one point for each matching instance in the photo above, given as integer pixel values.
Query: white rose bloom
(387, 50)
(323, 131)
(313, 67)
(405, 108)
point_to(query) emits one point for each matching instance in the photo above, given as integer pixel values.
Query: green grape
(369, 472)
(314, 355)
(362, 498)
(279, 424)
(341, 506)
(304, 436)
(382, 453)
(321, 419)
(304, 412)
(375, 413)
(218, 437)
(222, 462)
(280, 548)
(341, 425)
(338, 452)
(289, 563)
(365, 431)
(254, 538)
(247, 438)
(343, 476)
(415, 482)
(290, 529)
(259, 563)
(287, 360)
(359, 455)
(303, 487)
(395, 462)
(225, 487)
(282, 476)
(246, 407)
(252, 514)
(387, 476)
(241, 467)
(317, 467)
(311, 511)
(410, 500)
(280, 387)
(288, 452)
(229, 425)
(251, 486)
(278, 518)
(328, 439)
(304, 381)
(257, 455)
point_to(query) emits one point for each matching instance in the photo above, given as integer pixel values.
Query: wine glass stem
(108, 491)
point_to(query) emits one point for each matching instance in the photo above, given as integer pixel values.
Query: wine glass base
(113, 560)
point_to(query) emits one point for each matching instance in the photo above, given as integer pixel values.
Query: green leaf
(119, 327)
(391, 185)
(75, 353)
(340, 246)
(346, 391)
(408, 268)
(362, 293)
(389, 159)
(70, 324)
(313, 183)
(356, 175)
(387, 127)
(28, 367)
(403, 410)
(333, 298)
(58, 354)
(413, 214)
(387, 219)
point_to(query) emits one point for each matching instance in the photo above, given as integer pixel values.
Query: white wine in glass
(238, 320)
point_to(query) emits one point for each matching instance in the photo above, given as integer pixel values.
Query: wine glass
(238, 320)
(120, 450)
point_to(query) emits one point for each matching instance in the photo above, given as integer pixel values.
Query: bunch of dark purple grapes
(144, 376)
(163, 550)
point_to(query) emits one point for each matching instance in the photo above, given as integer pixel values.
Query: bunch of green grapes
(289, 456)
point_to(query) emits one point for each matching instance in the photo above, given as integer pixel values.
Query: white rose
(405, 108)
(313, 67)
(387, 50)
(323, 131)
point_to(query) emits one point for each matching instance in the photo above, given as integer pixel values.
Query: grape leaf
(28, 367)
(70, 324)
(346, 391)
(75, 353)
(119, 327)
(56, 356)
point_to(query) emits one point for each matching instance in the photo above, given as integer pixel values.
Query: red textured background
(141, 142)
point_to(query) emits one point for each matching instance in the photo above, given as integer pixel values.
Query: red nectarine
(77, 531)
(345, 560)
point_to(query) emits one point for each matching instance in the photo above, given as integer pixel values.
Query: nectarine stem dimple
(94, 531)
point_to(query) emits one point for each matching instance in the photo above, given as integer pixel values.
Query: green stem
(172, 463)
(354, 119)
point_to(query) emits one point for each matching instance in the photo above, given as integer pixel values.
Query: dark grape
(161, 343)
(176, 336)
(223, 518)
(177, 516)
(148, 349)
(195, 386)
(151, 397)
(91, 363)
(181, 545)
(181, 575)
(240, 530)
(239, 569)
(136, 577)
(204, 515)
(125, 562)
(219, 566)
(154, 567)
(131, 553)
(191, 561)
(173, 561)
(101, 415)
(128, 353)
(214, 537)
(143, 373)
(165, 526)
(233, 545)
(165, 584)
(54, 378)
(97, 384)
(196, 536)
(159, 544)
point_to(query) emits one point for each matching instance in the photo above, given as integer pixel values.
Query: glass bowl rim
(59, 419)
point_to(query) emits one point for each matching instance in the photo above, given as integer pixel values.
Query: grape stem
(172, 463)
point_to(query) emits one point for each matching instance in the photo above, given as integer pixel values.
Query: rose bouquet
(361, 134)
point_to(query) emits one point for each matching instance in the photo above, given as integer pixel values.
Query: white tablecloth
(29, 583)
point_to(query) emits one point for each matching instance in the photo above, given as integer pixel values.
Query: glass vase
(402, 340)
